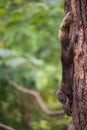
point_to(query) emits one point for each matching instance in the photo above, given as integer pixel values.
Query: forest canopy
(30, 57)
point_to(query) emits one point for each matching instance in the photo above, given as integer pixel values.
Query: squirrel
(64, 95)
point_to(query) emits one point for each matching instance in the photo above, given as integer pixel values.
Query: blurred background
(30, 57)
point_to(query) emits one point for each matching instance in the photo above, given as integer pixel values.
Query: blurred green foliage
(30, 56)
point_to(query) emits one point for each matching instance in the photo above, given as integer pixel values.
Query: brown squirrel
(65, 93)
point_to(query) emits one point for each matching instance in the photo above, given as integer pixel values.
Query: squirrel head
(61, 97)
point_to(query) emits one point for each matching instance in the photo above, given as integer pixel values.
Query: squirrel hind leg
(66, 21)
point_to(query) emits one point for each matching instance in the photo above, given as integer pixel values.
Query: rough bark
(79, 66)
(71, 127)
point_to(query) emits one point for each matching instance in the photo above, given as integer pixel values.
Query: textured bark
(79, 27)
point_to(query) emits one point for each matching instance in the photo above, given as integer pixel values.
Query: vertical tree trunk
(79, 27)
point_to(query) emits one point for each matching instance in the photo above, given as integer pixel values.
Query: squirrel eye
(62, 100)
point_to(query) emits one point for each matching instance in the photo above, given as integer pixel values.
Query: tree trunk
(79, 28)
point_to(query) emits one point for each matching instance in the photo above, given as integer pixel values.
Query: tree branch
(6, 127)
(38, 99)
